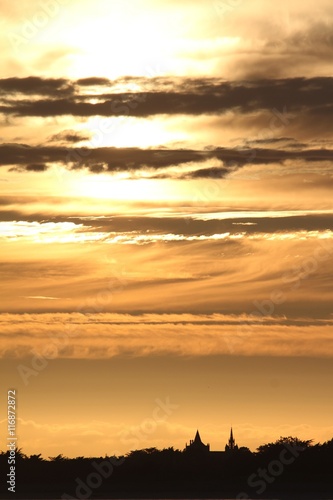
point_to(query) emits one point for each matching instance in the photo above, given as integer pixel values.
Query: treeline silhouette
(286, 468)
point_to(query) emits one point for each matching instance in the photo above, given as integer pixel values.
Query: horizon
(166, 222)
(310, 442)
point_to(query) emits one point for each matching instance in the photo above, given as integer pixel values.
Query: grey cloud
(32, 167)
(185, 96)
(35, 86)
(316, 39)
(92, 81)
(69, 136)
(287, 47)
(189, 226)
(130, 159)
(204, 173)
(193, 226)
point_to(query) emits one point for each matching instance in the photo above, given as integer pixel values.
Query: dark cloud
(195, 226)
(69, 136)
(272, 140)
(36, 167)
(92, 81)
(33, 167)
(185, 96)
(204, 173)
(189, 226)
(130, 159)
(35, 86)
(98, 168)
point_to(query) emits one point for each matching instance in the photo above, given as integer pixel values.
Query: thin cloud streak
(98, 337)
(70, 232)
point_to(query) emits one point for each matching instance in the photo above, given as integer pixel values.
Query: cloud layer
(103, 336)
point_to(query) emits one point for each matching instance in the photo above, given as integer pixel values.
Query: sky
(166, 222)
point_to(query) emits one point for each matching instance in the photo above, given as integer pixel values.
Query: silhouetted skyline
(288, 468)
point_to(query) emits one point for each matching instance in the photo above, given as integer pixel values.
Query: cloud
(279, 41)
(246, 113)
(69, 136)
(36, 86)
(285, 272)
(41, 297)
(93, 81)
(187, 96)
(115, 160)
(32, 167)
(103, 336)
(145, 230)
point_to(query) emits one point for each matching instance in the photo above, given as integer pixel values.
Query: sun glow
(129, 41)
(126, 131)
(104, 187)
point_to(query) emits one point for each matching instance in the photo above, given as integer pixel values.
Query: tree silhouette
(58, 458)
(168, 473)
(281, 443)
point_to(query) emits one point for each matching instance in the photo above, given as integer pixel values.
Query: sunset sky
(166, 222)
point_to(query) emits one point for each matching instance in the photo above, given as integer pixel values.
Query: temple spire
(231, 443)
(197, 438)
(231, 440)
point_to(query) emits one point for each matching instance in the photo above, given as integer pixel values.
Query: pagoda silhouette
(197, 447)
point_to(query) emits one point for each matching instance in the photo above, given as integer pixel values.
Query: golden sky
(166, 222)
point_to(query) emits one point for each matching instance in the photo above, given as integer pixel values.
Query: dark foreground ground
(169, 490)
(164, 495)
(285, 470)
